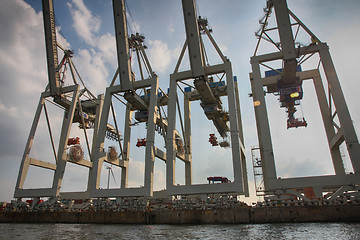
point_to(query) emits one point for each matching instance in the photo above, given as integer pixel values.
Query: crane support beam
(51, 46)
(206, 94)
(122, 45)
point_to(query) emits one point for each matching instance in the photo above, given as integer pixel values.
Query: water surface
(231, 231)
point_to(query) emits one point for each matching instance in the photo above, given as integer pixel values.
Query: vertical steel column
(347, 126)
(262, 122)
(329, 128)
(234, 129)
(65, 131)
(188, 147)
(99, 109)
(150, 138)
(97, 119)
(241, 136)
(25, 162)
(98, 152)
(127, 135)
(238, 112)
(170, 136)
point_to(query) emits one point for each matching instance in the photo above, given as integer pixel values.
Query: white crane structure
(142, 96)
(79, 106)
(202, 87)
(144, 103)
(286, 82)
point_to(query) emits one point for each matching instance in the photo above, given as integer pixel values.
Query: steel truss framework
(201, 91)
(79, 105)
(147, 109)
(336, 134)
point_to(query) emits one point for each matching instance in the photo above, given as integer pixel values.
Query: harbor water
(229, 231)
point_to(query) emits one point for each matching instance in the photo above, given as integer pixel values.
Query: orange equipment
(213, 139)
(296, 122)
(73, 141)
(141, 142)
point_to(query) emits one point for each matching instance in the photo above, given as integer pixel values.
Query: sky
(87, 28)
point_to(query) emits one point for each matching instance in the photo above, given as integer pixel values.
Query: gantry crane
(142, 96)
(202, 87)
(287, 83)
(79, 106)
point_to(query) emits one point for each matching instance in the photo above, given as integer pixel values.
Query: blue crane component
(213, 110)
(290, 96)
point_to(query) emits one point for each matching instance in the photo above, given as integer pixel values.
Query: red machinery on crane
(213, 139)
(218, 179)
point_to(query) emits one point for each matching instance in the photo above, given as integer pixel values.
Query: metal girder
(199, 72)
(136, 102)
(268, 57)
(206, 95)
(205, 189)
(343, 113)
(42, 164)
(286, 41)
(325, 181)
(51, 46)
(334, 138)
(122, 45)
(193, 38)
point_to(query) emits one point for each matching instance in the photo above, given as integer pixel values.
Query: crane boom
(51, 47)
(122, 45)
(287, 42)
(193, 38)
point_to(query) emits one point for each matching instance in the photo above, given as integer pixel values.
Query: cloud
(132, 24)
(23, 78)
(107, 46)
(160, 55)
(61, 40)
(136, 175)
(8, 111)
(93, 63)
(85, 24)
(92, 68)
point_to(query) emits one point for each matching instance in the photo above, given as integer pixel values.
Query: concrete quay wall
(336, 213)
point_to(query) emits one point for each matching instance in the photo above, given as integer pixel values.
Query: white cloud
(136, 175)
(107, 47)
(160, 55)
(85, 24)
(8, 111)
(61, 40)
(132, 24)
(23, 78)
(171, 27)
(91, 65)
